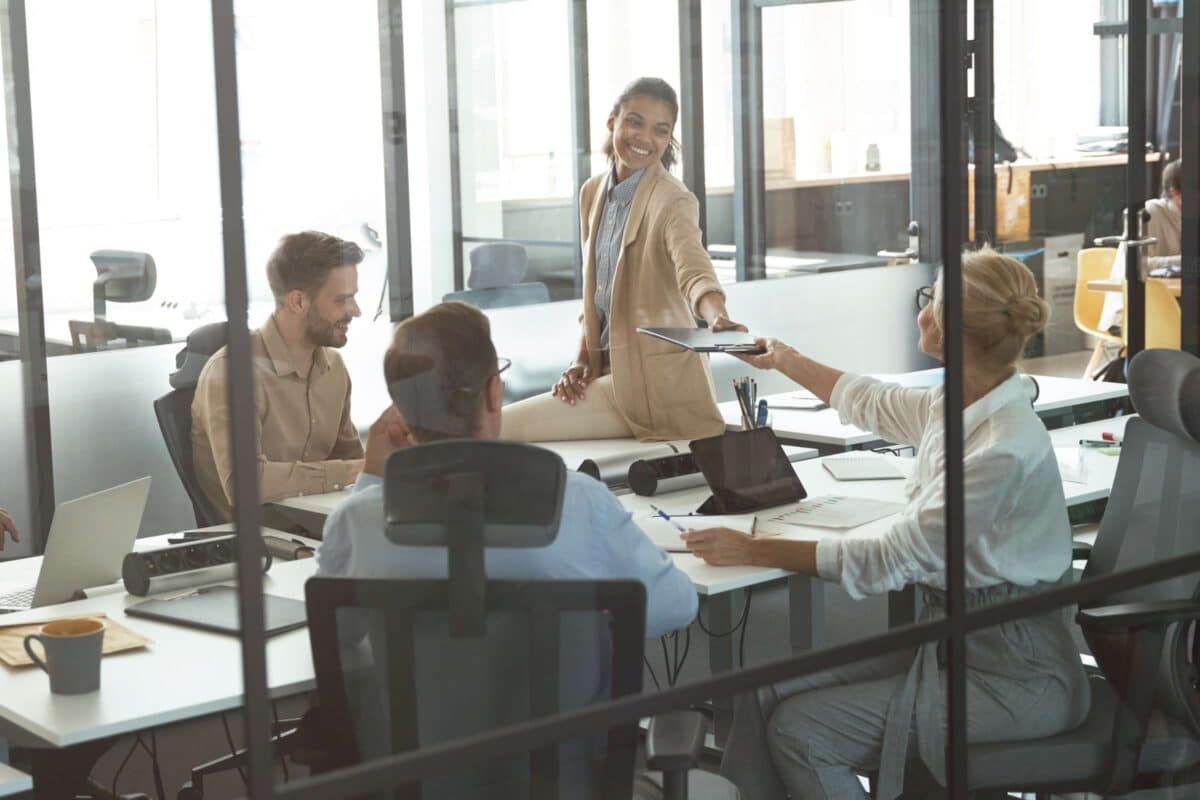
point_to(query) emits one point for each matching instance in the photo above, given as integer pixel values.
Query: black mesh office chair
(174, 413)
(517, 294)
(497, 264)
(1144, 724)
(404, 663)
(122, 276)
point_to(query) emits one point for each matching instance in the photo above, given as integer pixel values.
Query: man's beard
(323, 333)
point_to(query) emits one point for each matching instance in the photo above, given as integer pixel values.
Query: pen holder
(184, 565)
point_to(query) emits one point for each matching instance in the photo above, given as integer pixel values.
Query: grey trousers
(812, 737)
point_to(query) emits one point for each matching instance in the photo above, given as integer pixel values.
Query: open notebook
(865, 467)
(830, 511)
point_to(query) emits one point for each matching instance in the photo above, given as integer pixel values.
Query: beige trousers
(546, 418)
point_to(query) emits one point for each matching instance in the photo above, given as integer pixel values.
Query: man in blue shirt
(446, 359)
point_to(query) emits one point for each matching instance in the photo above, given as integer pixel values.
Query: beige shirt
(1166, 227)
(662, 271)
(306, 441)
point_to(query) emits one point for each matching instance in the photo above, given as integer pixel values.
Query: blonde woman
(644, 264)
(810, 737)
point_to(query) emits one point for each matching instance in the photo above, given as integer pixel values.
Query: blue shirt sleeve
(333, 554)
(671, 600)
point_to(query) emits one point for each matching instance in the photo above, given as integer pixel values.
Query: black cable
(675, 659)
(653, 677)
(117, 774)
(731, 631)
(233, 750)
(745, 627)
(687, 646)
(662, 640)
(159, 787)
(278, 739)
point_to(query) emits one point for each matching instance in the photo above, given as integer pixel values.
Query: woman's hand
(775, 352)
(573, 383)
(7, 525)
(721, 547)
(724, 323)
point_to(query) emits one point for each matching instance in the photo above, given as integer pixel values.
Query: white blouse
(1017, 529)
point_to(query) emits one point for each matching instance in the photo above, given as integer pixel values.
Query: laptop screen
(747, 471)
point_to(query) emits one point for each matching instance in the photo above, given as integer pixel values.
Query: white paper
(666, 536)
(1071, 466)
(831, 511)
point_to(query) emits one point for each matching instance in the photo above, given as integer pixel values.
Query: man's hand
(387, 434)
(573, 383)
(776, 351)
(7, 526)
(721, 547)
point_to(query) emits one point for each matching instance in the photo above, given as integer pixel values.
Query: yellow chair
(1163, 317)
(1094, 264)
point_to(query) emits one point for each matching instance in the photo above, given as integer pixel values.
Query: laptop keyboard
(23, 597)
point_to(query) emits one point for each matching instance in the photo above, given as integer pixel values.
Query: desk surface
(13, 781)
(573, 453)
(1174, 285)
(1099, 472)
(134, 689)
(824, 428)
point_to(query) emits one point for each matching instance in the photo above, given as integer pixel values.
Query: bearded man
(306, 441)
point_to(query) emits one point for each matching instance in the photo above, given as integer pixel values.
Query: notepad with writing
(862, 468)
(831, 511)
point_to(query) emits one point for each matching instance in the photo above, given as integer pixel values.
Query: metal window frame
(691, 98)
(395, 161)
(39, 454)
(1189, 146)
(242, 412)
(983, 114)
(1137, 42)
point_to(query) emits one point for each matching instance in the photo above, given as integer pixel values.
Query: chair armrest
(1139, 615)
(1080, 551)
(674, 741)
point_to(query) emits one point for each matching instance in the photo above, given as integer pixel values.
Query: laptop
(747, 471)
(88, 540)
(703, 340)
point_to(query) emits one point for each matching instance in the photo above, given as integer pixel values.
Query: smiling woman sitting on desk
(811, 736)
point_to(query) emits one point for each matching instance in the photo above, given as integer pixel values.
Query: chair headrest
(1165, 388)
(514, 490)
(200, 346)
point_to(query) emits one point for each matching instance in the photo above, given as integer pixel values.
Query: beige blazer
(662, 272)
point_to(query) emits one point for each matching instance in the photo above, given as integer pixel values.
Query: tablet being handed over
(703, 340)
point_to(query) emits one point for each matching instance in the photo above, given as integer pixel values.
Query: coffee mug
(72, 654)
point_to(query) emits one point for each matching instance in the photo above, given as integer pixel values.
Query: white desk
(157, 685)
(311, 510)
(13, 781)
(822, 429)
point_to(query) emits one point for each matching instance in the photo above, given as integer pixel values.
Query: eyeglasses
(502, 364)
(924, 297)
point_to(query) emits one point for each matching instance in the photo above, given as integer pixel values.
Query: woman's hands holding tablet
(776, 353)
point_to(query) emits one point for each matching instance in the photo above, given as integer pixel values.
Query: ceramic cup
(72, 654)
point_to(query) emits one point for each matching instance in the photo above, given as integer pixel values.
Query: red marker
(1110, 437)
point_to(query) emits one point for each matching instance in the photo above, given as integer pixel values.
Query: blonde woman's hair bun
(1027, 315)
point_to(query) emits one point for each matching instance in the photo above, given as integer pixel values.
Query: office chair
(495, 264)
(1094, 264)
(88, 337)
(518, 294)
(1163, 316)
(174, 413)
(1144, 721)
(122, 276)
(403, 664)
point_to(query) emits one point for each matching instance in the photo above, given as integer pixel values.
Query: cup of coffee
(72, 654)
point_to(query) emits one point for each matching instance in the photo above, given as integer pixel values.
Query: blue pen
(658, 512)
(761, 420)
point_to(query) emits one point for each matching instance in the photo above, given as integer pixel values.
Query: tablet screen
(747, 470)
